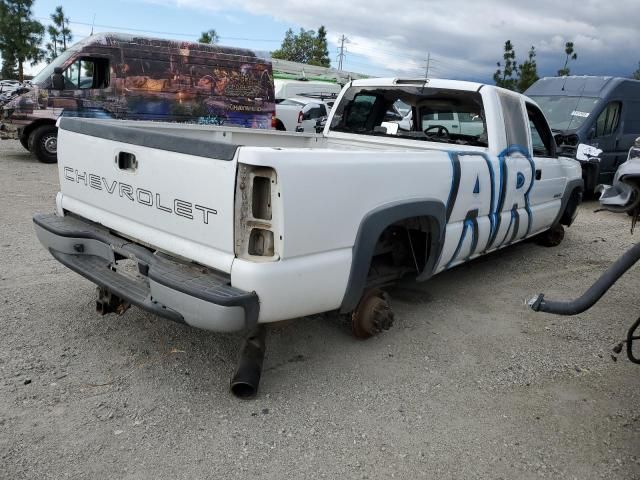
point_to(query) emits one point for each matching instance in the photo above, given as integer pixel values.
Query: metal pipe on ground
(594, 293)
(246, 379)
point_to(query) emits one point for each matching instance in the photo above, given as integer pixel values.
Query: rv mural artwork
(129, 77)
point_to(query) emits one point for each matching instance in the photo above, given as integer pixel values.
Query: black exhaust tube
(245, 380)
(594, 293)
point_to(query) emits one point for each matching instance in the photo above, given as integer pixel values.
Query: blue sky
(235, 28)
(464, 37)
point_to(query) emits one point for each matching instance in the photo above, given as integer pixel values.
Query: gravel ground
(467, 384)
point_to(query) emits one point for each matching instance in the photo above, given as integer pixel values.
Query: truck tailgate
(165, 187)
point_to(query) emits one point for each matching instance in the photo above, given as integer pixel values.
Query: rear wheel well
(394, 240)
(280, 125)
(403, 248)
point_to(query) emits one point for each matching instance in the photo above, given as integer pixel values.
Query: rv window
(87, 73)
(607, 122)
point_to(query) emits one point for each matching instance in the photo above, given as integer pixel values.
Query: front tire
(43, 143)
(24, 141)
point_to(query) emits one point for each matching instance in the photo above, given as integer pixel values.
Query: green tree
(506, 75)
(52, 45)
(528, 71)
(61, 24)
(570, 54)
(636, 75)
(9, 66)
(210, 36)
(20, 34)
(305, 47)
(321, 49)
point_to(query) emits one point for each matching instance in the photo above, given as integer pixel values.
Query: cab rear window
(428, 114)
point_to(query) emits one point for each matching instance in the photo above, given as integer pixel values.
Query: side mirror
(637, 142)
(57, 80)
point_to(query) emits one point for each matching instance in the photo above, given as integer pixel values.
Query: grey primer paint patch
(169, 139)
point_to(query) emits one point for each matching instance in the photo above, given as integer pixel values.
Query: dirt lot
(467, 384)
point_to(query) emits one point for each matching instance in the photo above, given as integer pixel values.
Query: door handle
(454, 126)
(538, 174)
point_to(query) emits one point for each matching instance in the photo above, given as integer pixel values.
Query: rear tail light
(256, 213)
(261, 242)
(273, 121)
(300, 116)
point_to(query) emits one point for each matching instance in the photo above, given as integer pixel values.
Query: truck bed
(222, 142)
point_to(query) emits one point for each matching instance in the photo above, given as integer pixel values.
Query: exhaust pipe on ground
(245, 380)
(594, 293)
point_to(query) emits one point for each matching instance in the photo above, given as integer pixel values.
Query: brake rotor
(372, 315)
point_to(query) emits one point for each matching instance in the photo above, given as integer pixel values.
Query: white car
(302, 113)
(7, 86)
(284, 89)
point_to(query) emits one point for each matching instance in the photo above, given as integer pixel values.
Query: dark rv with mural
(121, 76)
(603, 112)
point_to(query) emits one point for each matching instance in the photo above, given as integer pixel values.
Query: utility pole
(341, 49)
(426, 72)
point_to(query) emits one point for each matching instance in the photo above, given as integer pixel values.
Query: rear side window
(608, 120)
(514, 124)
(313, 111)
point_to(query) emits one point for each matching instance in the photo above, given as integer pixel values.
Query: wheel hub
(50, 144)
(372, 315)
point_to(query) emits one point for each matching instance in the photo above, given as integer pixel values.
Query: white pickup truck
(230, 228)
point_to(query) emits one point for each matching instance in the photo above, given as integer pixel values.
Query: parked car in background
(301, 113)
(313, 100)
(121, 76)
(603, 112)
(288, 115)
(463, 123)
(284, 89)
(7, 88)
(9, 85)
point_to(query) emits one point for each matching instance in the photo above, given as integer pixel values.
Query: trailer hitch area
(109, 302)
